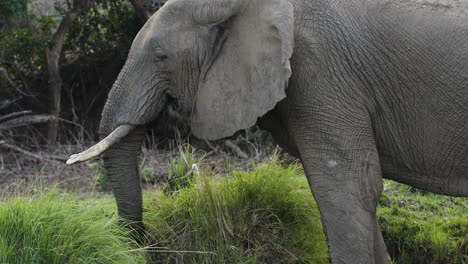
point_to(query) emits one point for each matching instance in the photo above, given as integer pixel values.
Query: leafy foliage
(13, 8)
(95, 49)
(23, 49)
(102, 33)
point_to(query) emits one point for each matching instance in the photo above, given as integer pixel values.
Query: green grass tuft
(421, 227)
(180, 170)
(264, 216)
(58, 228)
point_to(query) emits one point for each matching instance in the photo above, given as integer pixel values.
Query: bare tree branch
(15, 114)
(6, 103)
(25, 120)
(4, 144)
(235, 149)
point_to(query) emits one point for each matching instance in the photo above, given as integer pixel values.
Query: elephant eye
(160, 58)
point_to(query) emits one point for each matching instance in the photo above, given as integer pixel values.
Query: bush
(264, 216)
(94, 51)
(102, 34)
(22, 56)
(56, 228)
(13, 8)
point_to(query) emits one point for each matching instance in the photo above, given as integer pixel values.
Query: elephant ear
(250, 72)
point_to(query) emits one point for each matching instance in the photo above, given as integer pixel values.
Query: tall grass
(421, 227)
(267, 215)
(181, 170)
(57, 228)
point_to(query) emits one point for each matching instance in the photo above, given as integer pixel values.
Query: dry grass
(20, 172)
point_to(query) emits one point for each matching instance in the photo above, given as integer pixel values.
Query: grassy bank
(55, 228)
(422, 227)
(266, 215)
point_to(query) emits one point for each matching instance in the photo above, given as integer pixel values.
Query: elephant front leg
(345, 178)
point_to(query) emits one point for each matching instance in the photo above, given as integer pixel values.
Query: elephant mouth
(170, 116)
(96, 150)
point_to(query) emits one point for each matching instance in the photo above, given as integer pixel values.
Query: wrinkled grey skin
(359, 90)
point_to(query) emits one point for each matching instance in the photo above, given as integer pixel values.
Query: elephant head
(220, 63)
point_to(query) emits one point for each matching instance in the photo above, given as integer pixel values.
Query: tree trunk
(53, 57)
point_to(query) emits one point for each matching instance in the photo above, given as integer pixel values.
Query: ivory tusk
(94, 151)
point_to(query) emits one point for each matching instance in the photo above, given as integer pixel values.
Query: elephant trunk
(122, 149)
(121, 163)
(130, 104)
(128, 108)
(136, 98)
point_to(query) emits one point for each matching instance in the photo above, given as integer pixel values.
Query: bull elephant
(359, 90)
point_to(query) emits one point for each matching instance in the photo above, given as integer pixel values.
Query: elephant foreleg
(347, 201)
(343, 170)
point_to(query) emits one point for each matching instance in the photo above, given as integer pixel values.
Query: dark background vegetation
(58, 61)
(96, 38)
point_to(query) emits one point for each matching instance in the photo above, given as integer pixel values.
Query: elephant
(358, 90)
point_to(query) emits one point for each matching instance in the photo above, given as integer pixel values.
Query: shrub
(13, 8)
(95, 48)
(56, 228)
(22, 55)
(102, 34)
